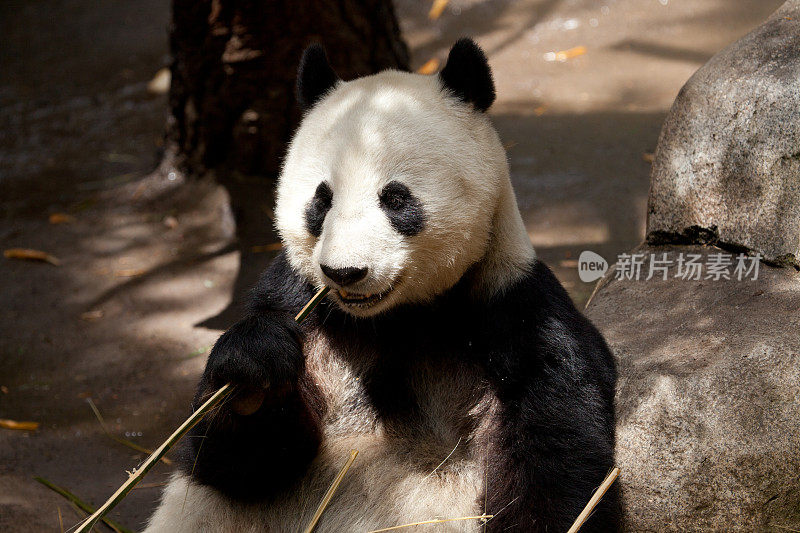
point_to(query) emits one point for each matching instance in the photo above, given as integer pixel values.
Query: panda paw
(258, 353)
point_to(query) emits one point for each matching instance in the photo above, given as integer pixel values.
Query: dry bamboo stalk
(139, 473)
(596, 497)
(331, 490)
(190, 422)
(434, 521)
(81, 505)
(80, 514)
(312, 303)
(151, 485)
(124, 442)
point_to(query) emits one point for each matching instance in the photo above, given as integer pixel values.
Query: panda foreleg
(543, 472)
(262, 437)
(553, 438)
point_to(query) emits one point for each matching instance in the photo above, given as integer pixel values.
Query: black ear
(468, 76)
(315, 77)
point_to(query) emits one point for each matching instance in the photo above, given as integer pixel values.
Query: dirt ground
(145, 260)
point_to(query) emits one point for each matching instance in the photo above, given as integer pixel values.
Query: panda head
(391, 183)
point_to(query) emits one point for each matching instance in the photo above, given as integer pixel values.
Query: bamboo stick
(80, 504)
(596, 497)
(485, 517)
(190, 422)
(331, 490)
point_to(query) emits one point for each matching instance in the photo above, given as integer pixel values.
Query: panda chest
(420, 432)
(421, 402)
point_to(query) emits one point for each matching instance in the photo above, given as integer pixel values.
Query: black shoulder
(280, 288)
(538, 313)
(554, 378)
(541, 294)
(537, 295)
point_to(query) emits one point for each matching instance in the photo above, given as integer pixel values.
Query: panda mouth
(361, 300)
(365, 300)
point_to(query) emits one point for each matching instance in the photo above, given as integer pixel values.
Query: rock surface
(727, 167)
(708, 397)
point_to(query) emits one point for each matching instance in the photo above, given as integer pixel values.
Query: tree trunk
(232, 97)
(233, 75)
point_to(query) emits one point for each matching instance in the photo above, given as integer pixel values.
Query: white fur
(397, 126)
(378, 491)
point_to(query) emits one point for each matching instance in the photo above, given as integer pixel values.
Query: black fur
(315, 77)
(404, 210)
(549, 368)
(467, 75)
(261, 352)
(555, 379)
(317, 208)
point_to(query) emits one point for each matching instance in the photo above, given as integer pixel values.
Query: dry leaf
(160, 82)
(129, 272)
(274, 247)
(648, 156)
(139, 191)
(31, 255)
(437, 9)
(429, 67)
(95, 314)
(3, 389)
(563, 55)
(61, 218)
(21, 426)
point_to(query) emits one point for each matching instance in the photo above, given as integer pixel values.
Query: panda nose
(344, 276)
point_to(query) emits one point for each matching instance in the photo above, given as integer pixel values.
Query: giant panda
(446, 353)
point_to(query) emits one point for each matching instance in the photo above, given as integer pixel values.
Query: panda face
(388, 191)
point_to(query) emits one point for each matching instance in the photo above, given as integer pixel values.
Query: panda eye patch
(395, 196)
(394, 200)
(317, 208)
(403, 209)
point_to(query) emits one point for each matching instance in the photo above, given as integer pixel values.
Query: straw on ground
(80, 504)
(124, 442)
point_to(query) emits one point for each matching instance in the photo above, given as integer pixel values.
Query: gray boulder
(727, 166)
(708, 400)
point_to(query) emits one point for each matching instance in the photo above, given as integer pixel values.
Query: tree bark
(233, 75)
(232, 96)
